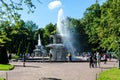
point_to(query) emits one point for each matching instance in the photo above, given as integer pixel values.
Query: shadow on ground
(44, 78)
(27, 66)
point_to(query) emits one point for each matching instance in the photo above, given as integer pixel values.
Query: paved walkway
(54, 71)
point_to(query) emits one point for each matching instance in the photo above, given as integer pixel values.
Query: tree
(103, 25)
(31, 26)
(92, 20)
(9, 8)
(31, 29)
(3, 40)
(22, 36)
(50, 29)
(8, 13)
(3, 55)
(110, 24)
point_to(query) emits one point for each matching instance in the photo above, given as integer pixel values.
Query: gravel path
(54, 71)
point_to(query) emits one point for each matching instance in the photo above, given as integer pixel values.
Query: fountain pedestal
(57, 49)
(37, 51)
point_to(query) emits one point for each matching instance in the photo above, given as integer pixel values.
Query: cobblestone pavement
(54, 71)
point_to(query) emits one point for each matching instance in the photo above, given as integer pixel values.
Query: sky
(47, 11)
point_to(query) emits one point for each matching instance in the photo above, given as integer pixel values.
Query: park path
(54, 71)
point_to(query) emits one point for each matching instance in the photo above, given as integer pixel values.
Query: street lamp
(118, 42)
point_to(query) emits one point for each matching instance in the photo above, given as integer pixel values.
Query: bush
(15, 57)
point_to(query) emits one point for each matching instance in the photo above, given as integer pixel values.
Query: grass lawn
(6, 67)
(2, 78)
(112, 74)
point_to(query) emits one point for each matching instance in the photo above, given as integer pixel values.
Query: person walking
(50, 56)
(105, 58)
(10, 56)
(98, 59)
(69, 57)
(95, 60)
(91, 64)
(24, 59)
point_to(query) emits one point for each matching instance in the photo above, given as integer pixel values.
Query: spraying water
(39, 40)
(59, 22)
(63, 30)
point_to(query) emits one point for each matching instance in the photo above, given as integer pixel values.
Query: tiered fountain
(39, 49)
(61, 42)
(57, 48)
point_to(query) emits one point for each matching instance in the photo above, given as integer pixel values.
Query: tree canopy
(102, 24)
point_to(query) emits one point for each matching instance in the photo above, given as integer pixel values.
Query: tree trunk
(3, 55)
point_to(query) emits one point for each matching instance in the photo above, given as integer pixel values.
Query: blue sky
(44, 15)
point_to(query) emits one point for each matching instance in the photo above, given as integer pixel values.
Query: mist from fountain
(63, 30)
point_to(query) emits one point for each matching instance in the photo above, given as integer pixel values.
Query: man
(70, 57)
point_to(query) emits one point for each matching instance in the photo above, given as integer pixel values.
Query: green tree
(50, 29)
(3, 40)
(110, 24)
(31, 29)
(103, 25)
(9, 9)
(22, 36)
(92, 20)
(8, 13)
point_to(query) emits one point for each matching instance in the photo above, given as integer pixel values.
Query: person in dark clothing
(24, 59)
(70, 57)
(110, 56)
(95, 60)
(50, 55)
(10, 57)
(91, 61)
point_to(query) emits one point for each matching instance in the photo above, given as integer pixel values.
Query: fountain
(68, 37)
(63, 29)
(39, 49)
(61, 42)
(57, 49)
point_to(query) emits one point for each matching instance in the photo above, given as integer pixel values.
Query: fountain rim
(54, 45)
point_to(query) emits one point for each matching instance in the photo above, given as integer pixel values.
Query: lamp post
(24, 58)
(118, 42)
(119, 52)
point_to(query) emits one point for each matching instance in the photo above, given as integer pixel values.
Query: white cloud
(54, 4)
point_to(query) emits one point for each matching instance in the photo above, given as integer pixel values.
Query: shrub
(15, 57)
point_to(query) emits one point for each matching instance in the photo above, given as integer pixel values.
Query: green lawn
(6, 66)
(2, 78)
(112, 74)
